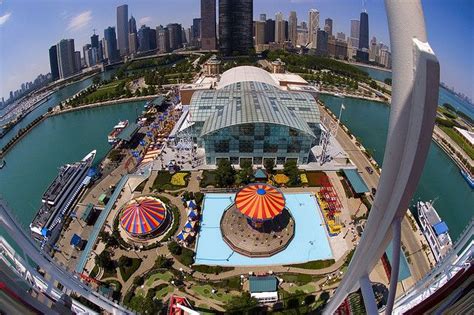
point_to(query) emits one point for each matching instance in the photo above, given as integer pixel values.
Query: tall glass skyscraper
(53, 61)
(122, 29)
(111, 51)
(364, 31)
(66, 58)
(208, 25)
(235, 26)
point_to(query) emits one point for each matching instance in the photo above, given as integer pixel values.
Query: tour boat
(118, 128)
(435, 230)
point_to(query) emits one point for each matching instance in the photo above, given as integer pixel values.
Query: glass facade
(253, 120)
(257, 141)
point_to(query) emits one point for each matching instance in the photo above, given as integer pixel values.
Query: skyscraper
(132, 43)
(66, 59)
(279, 28)
(122, 29)
(263, 17)
(364, 31)
(77, 61)
(269, 31)
(313, 26)
(354, 38)
(95, 41)
(322, 44)
(328, 26)
(53, 62)
(111, 51)
(259, 35)
(144, 38)
(175, 36)
(163, 39)
(363, 51)
(208, 25)
(132, 25)
(235, 26)
(293, 28)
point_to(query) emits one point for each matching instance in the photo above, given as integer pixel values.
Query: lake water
(445, 96)
(441, 179)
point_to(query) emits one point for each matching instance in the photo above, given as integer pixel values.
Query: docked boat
(338, 95)
(468, 177)
(118, 128)
(58, 198)
(2, 163)
(435, 230)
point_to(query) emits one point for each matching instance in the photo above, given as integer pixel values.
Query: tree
(291, 170)
(269, 165)
(96, 79)
(225, 173)
(124, 261)
(246, 172)
(104, 260)
(143, 305)
(244, 304)
(174, 248)
(388, 81)
(162, 262)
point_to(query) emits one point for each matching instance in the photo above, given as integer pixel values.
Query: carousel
(258, 224)
(144, 218)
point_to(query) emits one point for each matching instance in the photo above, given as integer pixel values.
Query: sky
(29, 27)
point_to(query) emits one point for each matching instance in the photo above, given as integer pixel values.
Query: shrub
(178, 179)
(128, 271)
(281, 179)
(304, 179)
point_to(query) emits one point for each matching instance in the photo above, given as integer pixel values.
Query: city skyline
(77, 21)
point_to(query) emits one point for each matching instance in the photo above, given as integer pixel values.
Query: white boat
(435, 230)
(338, 95)
(118, 128)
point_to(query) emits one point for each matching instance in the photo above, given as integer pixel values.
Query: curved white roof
(245, 74)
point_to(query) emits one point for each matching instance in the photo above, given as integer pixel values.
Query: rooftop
(356, 181)
(263, 284)
(246, 74)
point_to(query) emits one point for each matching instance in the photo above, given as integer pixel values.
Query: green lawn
(307, 288)
(315, 264)
(300, 279)
(161, 293)
(206, 291)
(459, 140)
(167, 276)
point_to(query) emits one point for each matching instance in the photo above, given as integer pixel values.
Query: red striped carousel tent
(260, 202)
(143, 216)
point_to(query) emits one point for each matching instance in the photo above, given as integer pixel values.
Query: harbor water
(54, 100)
(441, 179)
(33, 162)
(445, 96)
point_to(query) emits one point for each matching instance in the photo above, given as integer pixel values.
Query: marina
(58, 198)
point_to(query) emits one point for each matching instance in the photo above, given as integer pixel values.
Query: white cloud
(80, 21)
(144, 20)
(4, 18)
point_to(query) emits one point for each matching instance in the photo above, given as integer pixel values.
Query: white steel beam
(415, 77)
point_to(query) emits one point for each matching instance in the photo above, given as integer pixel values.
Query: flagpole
(339, 119)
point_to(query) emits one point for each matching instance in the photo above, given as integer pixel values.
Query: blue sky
(29, 27)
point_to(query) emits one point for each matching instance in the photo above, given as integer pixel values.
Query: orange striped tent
(260, 202)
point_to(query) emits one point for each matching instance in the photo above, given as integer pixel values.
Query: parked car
(369, 170)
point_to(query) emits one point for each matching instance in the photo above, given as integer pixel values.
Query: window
(245, 146)
(257, 160)
(247, 129)
(270, 147)
(281, 160)
(234, 160)
(221, 146)
(294, 147)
